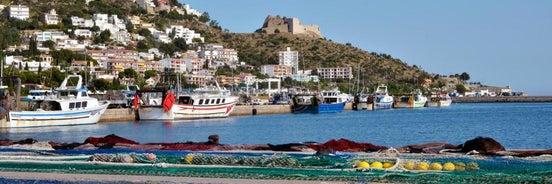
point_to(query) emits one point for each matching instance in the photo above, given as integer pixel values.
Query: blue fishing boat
(324, 102)
(382, 99)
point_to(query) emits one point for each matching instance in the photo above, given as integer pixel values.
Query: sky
(497, 42)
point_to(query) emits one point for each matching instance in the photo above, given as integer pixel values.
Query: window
(200, 101)
(78, 104)
(223, 100)
(71, 105)
(218, 101)
(84, 104)
(207, 101)
(83, 94)
(212, 101)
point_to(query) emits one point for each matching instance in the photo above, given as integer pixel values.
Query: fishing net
(406, 168)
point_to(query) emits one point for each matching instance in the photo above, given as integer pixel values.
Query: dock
(127, 114)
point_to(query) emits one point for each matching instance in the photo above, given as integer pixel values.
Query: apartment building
(335, 73)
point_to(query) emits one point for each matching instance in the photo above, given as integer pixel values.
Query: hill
(256, 48)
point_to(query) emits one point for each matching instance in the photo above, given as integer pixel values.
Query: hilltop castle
(290, 25)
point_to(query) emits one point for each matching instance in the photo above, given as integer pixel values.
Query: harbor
(127, 114)
(283, 141)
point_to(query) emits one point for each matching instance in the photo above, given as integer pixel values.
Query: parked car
(258, 102)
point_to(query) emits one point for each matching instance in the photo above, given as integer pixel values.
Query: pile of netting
(343, 166)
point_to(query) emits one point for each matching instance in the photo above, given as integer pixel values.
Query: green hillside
(253, 48)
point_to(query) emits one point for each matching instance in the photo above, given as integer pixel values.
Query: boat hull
(383, 102)
(416, 104)
(320, 108)
(202, 111)
(54, 118)
(154, 113)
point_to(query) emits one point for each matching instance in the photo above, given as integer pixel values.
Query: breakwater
(502, 99)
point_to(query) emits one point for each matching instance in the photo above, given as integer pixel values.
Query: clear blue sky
(498, 43)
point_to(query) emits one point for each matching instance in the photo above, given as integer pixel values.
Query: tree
(180, 43)
(145, 32)
(49, 44)
(168, 49)
(142, 46)
(204, 17)
(95, 28)
(130, 73)
(103, 37)
(100, 84)
(460, 88)
(464, 76)
(150, 73)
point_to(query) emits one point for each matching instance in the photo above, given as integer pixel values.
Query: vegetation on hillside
(256, 49)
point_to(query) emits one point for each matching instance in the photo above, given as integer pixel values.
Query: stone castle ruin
(291, 25)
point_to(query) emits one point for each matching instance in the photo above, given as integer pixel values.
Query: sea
(514, 125)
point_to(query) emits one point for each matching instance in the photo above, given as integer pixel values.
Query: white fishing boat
(439, 100)
(413, 100)
(205, 102)
(382, 99)
(70, 105)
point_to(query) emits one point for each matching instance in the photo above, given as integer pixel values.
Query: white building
(122, 37)
(71, 44)
(161, 36)
(117, 22)
(289, 58)
(191, 11)
(182, 32)
(12, 60)
(100, 18)
(19, 12)
(146, 56)
(34, 65)
(47, 35)
(50, 18)
(83, 32)
(81, 22)
(335, 73)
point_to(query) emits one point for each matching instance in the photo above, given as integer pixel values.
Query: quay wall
(502, 99)
(127, 114)
(120, 114)
(242, 110)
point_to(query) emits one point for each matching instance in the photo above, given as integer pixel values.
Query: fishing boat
(382, 99)
(332, 101)
(439, 100)
(206, 102)
(324, 102)
(413, 100)
(70, 105)
(153, 104)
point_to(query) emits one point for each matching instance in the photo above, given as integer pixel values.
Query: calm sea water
(515, 125)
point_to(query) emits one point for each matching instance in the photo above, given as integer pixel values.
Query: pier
(126, 114)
